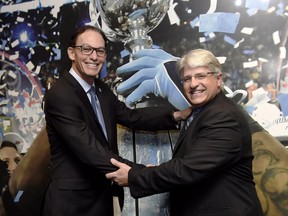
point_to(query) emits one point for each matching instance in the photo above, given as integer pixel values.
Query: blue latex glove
(153, 71)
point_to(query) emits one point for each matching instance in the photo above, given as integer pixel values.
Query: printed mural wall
(249, 37)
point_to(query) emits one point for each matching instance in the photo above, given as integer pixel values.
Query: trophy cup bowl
(129, 21)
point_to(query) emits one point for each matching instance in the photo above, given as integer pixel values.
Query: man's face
(200, 85)
(87, 66)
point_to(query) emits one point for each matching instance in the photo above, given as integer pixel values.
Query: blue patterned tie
(191, 117)
(97, 109)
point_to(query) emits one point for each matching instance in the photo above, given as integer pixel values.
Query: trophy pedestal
(146, 148)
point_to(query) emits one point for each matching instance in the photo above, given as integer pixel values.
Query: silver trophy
(129, 21)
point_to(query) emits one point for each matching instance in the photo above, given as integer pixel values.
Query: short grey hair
(199, 58)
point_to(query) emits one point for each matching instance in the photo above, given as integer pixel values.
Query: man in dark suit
(211, 170)
(81, 144)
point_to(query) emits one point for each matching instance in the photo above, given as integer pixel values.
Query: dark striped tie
(191, 117)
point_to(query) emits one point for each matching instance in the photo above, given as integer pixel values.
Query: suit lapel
(180, 139)
(184, 132)
(79, 91)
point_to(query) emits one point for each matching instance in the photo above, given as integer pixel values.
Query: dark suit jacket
(80, 153)
(211, 170)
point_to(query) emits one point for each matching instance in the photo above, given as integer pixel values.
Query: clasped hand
(120, 176)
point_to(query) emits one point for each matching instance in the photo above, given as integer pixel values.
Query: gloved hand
(153, 71)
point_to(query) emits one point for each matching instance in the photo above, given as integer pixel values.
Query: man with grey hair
(210, 172)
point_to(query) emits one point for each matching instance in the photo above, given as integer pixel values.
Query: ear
(71, 53)
(219, 79)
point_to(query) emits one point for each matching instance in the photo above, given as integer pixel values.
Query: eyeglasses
(88, 50)
(198, 77)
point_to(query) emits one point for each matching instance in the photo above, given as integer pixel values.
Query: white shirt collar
(83, 83)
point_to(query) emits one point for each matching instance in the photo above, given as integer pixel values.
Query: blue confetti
(260, 5)
(219, 22)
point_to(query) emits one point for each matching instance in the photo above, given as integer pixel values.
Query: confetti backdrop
(248, 36)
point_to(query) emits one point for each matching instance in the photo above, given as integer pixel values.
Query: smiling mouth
(197, 92)
(92, 65)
